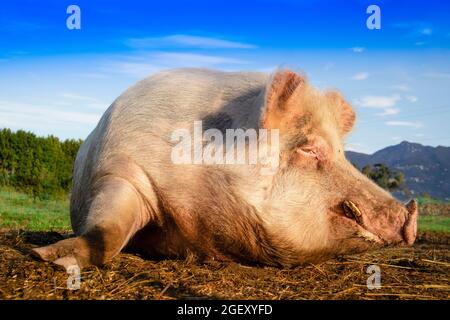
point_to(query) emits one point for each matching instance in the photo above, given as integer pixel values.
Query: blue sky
(59, 81)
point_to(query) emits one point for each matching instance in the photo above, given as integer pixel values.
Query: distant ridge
(426, 169)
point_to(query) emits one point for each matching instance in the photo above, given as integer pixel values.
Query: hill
(426, 169)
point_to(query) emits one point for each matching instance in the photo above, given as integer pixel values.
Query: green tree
(384, 177)
(40, 166)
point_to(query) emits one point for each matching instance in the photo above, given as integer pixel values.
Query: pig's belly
(156, 243)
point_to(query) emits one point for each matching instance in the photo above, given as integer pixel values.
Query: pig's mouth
(407, 233)
(352, 212)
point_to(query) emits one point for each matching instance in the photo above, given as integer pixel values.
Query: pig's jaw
(369, 236)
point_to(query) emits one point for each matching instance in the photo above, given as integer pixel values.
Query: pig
(127, 194)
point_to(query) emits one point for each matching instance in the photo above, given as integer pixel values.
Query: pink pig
(128, 193)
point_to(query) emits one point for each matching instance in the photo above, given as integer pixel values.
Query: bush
(383, 176)
(40, 166)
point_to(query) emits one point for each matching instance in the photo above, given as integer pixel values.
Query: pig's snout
(396, 225)
(410, 227)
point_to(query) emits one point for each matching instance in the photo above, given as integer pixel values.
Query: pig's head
(320, 203)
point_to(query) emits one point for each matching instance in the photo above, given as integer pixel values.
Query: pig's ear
(278, 93)
(346, 114)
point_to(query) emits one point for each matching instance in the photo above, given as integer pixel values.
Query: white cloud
(381, 102)
(45, 120)
(186, 41)
(140, 66)
(401, 87)
(426, 31)
(187, 59)
(91, 75)
(358, 49)
(361, 76)
(386, 103)
(390, 112)
(437, 75)
(267, 69)
(355, 146)
(358, 147)
(138, 69)
(352, 147)
(411, 98)
(73, 98)
(328, 66)
(414, 124)
(416, 28)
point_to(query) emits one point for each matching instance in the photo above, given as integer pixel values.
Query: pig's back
(141, 120)
(183, 95)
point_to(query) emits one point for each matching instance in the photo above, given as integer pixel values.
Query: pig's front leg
(116, 214)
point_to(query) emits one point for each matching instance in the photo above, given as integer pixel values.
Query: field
(20, 211)
(418, 272)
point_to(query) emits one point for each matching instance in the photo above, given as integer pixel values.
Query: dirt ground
(418, 272)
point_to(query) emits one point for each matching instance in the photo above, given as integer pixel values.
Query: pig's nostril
(351, 210)
(410, 227)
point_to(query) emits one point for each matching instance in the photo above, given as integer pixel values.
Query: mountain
(426, 169)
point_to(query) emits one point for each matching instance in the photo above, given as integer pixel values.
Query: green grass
(434, 223)
(18, 210)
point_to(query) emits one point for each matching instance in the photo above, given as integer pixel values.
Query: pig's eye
(316, 148)
(308, 151)
(352, 211)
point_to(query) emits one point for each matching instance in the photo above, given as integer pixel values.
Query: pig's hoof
(67, 262)
(60, 253)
